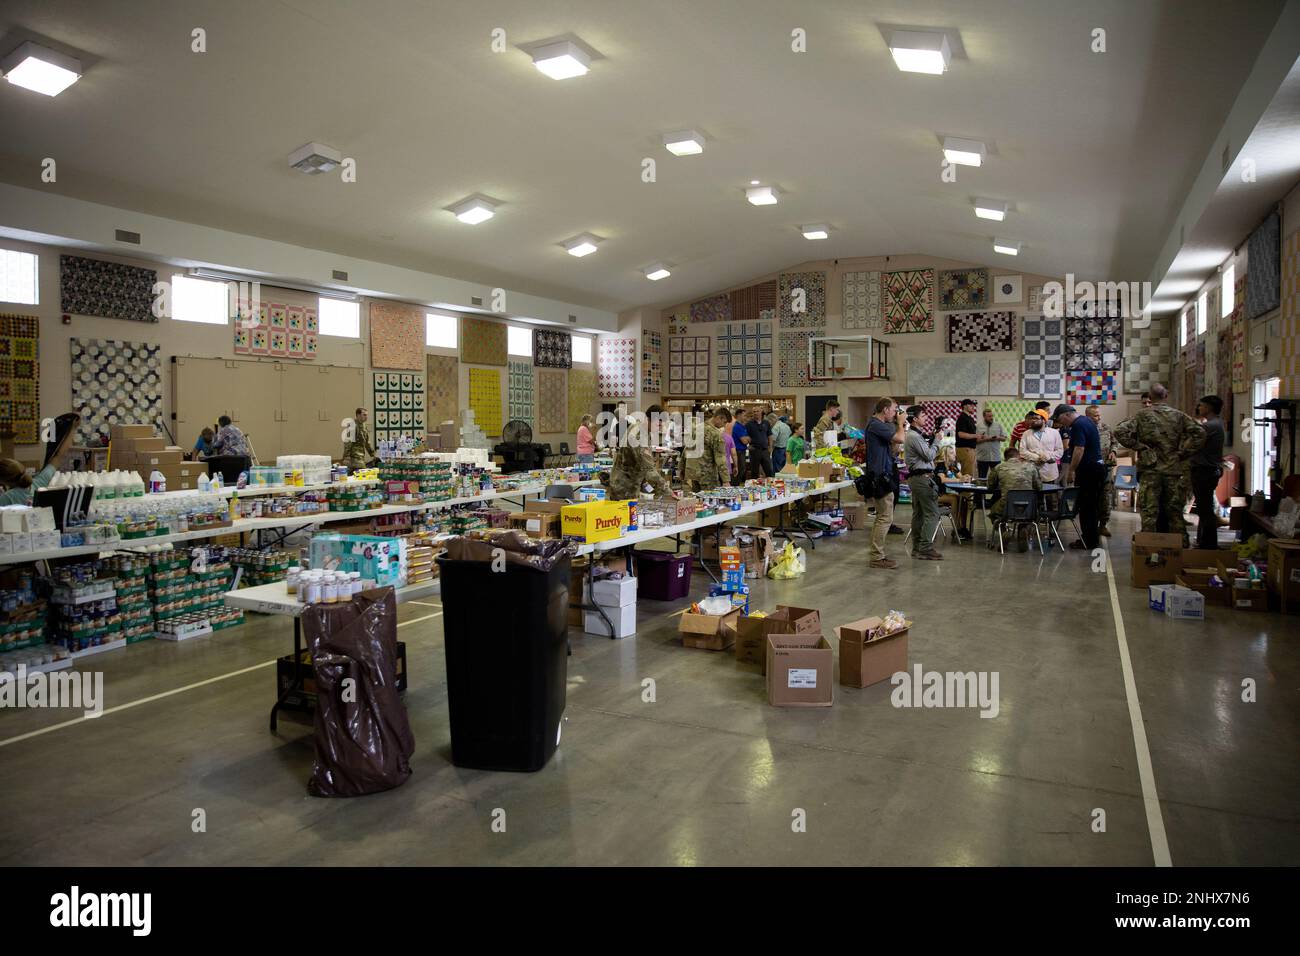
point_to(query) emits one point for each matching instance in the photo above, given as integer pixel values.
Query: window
(1182, 329)
(1202, 313)
(519, 341)
(582, 349)
(339, 317)
(1228, 291)
(18, 277)
(200, 300)
(440, 330)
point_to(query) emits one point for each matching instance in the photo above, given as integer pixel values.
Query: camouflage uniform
(824, 424)
(634, 467)
(359, 450)
(709, 468)
(1165, 440)
(1014, 474)
(1108, 487)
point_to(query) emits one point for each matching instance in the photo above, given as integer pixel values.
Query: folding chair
(1067, 509)
(1020, 508)
(945, 514)
(1126, 481)
(563, 492)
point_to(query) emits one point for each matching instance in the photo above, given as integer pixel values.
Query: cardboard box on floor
(708, 632)
(1284, 574)
(752, 632)
(1198, 580)
(867, 658)
(1157, 558)
(800, 670)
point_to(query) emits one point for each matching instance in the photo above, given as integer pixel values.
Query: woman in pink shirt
(586, 443)
(728, 441)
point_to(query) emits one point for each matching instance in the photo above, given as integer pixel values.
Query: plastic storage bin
(663, 576)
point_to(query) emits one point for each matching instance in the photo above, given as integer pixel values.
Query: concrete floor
(710, 774)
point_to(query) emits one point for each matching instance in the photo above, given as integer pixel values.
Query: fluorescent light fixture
(762, 195)
(41, 69)
(963, 152)
(753, 182)
(1006, 247)
(657, 271)
(561, 60)
(685, 142)
(916, 52)
(474, 210)
(991, 209)
(583, 245)
(315, 158)
(816, 231)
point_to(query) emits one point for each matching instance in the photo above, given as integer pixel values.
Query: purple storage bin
(662, 576)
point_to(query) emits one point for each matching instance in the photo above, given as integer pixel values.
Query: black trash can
(505, 639)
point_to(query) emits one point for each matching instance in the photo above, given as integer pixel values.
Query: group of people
(225, 439)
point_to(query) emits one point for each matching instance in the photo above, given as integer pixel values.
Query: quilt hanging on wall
(399, 405)
(616, 367)
(115, 383)
(442, 390)
(1004, 376)
(688, 364)
(485, 401)
(482, 342)
(1289, 368)
(961, 377)
(20, 377)
(1148, 354)
(1009, 412)
(1094, 343)
(716, 308)
(520, 392)
(1263, 277)
(942, 410)
(107, 289)
(860, 305)
(552, 349)
(744, 360)
(1237, 322)
(981, 332)
(907, 302)
(582, 396)
(749, 304)
(679, 323)
(963, 288)
(652, 373)
(1090, 388)
(792, 361)
(1008, 290)
(552, 389)
(397, 336)
(1224, 375)
(1042, 359)
(281, 331)
(812, 285)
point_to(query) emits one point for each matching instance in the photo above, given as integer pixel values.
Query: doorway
(1263, 441)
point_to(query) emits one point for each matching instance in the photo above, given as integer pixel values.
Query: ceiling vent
(476, 300)
(315, 158)
(340, 275)
(573, 320)
(122, 235)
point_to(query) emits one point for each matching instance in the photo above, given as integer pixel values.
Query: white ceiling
(1094, 151)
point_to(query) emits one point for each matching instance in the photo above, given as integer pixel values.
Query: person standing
(1206, 470)
(358, 452)
(780, 439)
(586, 442)
(919, 452)
(1108, 458)
(1086, 470)
(1165, 440)
(760, 459)
(967, 438)
(709, 468)
(1020, 427)
(634, 471)
(740, 433)
(797, 447)
(1042, 446)
(828, 421)
(988, 444)
(885, 432)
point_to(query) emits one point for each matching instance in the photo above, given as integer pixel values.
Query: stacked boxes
(84, 608)
(617, 598)
(432, 479)
(131, 586)
(355, 496)
(594, 521)
(134, 448)
(22, 614)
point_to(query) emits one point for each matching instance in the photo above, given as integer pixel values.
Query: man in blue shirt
(1086, 471)
(760, 459)
(885, 430)
(741, 435)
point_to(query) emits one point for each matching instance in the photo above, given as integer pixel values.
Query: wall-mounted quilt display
(1264, 275)
(552, 349)
(399, 405)
(107, 289)
(520, 392)
(941, 409)
(860, 292)
(1008, 290)
(1237, 322)
(652, 375)
(482, 343)
(1042, 358)
(1147, 354)
(442, 390)
(981, 332)
(582, 396)
(552, 393)
(281, 331)
(397, 335)
(20, 376)
(1289, 369)
(616, 367)
(744, 362)
(748, 304)
(1223, 373)
(792, 360)
(1094, 343)
(1004, 376)
(1096, 387)
(951, 375)
(688, 364)
(115, 383)
(813, 285)
(1009, 412)
(907, 301)
(485, 401)
(963, 288)
(1036, 299)
(679, 323)
(1199, 388)
(716, 308)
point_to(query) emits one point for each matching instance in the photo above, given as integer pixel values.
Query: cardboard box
(1157, 558)
(708, 632)
(823, 469)
(130, 431)
(752, 632)
(140, 445)
(1156, 596)
(1206, 557)
(1249, 599)
(152, 459)
(622, 618)
(1198, 580)
(800, 670)
(547, 506)
(614, 592)
(686, 510)
(594, 521)
(866, 657)
(855, 514)
(577, 579)
(536, 524)
(1183, 604)
(1284, 574)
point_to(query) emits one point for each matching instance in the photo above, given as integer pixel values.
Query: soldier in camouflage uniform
(1108, 443)
(634, 467)
(1012, 474)
(708, 468)
(1165, 440)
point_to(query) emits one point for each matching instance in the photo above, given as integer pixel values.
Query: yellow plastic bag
(791, 563)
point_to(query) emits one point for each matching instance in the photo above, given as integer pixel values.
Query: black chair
(563, 492)
(945, 514)
(1067, 509)
(1020, 508)
(564, 448)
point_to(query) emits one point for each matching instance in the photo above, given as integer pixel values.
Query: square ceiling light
(685, 142)
(1006, 247)
(963, 152)
(474, 210)
(561, 60)
(917, 52)
(583, 245)
(762, 195)
(40, 69)
(991, 209)
(657, 271)
(818, 230)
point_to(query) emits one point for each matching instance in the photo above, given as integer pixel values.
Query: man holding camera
(885, 431)
(919, 453)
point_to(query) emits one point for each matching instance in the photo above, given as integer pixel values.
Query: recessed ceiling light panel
(917, 52)
(762, 195)
(561, 60)
(38, 68)
(964, 152)
(684, 142)
(817, 230)
(474, 210)
(1006, 247)
(583, 245)
(315, 158)
(657, 271)
(991, 209)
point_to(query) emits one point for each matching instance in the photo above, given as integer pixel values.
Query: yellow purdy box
(594, 521)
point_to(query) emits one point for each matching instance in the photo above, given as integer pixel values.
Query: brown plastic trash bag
(540, 554)
(363, 744)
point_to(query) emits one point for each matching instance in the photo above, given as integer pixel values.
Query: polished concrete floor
(710, 773)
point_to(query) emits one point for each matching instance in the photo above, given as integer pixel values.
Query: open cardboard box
(800, 670)
(868, 657)
(708, 632)
(1157, 558)
(752, 632)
